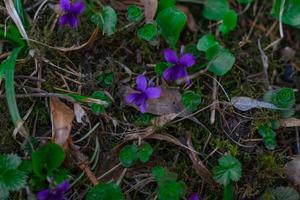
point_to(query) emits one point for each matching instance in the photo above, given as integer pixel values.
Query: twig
(265, 62)
(214, 98)
(280, 18)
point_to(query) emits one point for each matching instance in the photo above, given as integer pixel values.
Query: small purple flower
(143, 93)
(55, 194)
(194, 196)
(71, 10)
(179, 65)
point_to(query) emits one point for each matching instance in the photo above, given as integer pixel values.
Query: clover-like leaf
(145, 152)
(222, 61)
(171, 22)
(171, 190)
(268, 135)
(148, 32)
(134, 13)
(46, 159)
(105, 191)
(290, 15)
(206, 42)
(229, 22)
(128, 155)
(228, 169)
(191, 100)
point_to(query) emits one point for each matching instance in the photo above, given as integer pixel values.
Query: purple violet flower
(71, 10)
(143, 93)
(194, 196)
(54, 194)
(179, 65)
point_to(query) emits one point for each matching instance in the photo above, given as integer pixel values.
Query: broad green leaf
(46, 159)
(191, 100)
(171, 190)
(161, 67)
(163, 4)
(215, 9)
(105, 191)
(96, 108)
(106, 20)
(171, 22)
(158, 173)
(229, 22)
(128, 155)
(145, 152)
(245, 1)
(148, 32)
(13, 179)
(291, 12)
(222, 62)
(228, 169)
(134, 13)
(206, 42)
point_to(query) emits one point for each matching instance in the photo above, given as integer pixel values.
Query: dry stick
(280, 18)
(122, 176)
(214, 98)
(265, 62)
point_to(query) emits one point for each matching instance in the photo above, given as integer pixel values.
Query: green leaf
(3, 192)
(161, 67)
(21, 12)
(106, 79)
(229, 22)
(10, 161)
(128, 155)
(13, 35)
(171, 22)
(215, 9)
(191, 100)
(46, 159)
(245, 1)
(148, 32)
(134, 13)
(145, 152)
(171, 190)
(96, 108)
(291, 12)
(283, 98)
(268, 135)
(280, 193)
(222, 62)
(105, 191)
(206, 42)
(228, 193)
(143, 119)
(158, 173)
(163, 4)
(106, 20)
(229, 169)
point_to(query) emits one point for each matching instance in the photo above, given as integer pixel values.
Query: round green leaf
(171, 22)
(145, 152)
(46, 159)
(158, 173)
(105, 191)
(134, 13)
(206, 42)
(106, 20)
(163, 4)
(229, 169)
(171, 190)
(128, 155)
(290, 15)
(215, 9)
(191, 100)
(222, 62)
(229, 22)
(148, 32)
(268, 135)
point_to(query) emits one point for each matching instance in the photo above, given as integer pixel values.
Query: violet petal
(73, 21)
(170, 56)
(194, 196)
(65, 5)
(44, 194)
(143, 107)
(187, 60)
(63, 187)
(77, 8)
(131, 97)
(141, 82)
(153, 92)
(63, 20)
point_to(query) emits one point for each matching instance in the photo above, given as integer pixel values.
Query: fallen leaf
(247, 103)
(290, 122)
(292, 171)
(162, 120)
(62, 117)
(190, 18)
(150, 7)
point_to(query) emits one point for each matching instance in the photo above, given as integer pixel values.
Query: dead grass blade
(290, 122)
(10, 7)
(190, 18)
(150, 7)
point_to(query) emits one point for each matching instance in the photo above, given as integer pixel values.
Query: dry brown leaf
(150, 7)
(80, 114)
(162, 120)
(290, 122)
(62, 117)
(190, 18)
(168, 103)
(292, 171)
